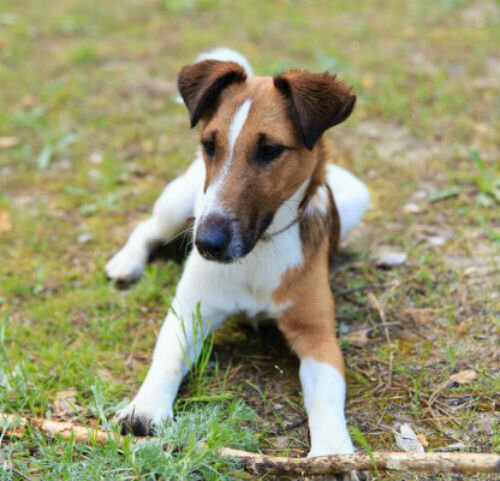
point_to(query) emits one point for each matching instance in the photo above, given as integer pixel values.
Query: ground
(89, 134)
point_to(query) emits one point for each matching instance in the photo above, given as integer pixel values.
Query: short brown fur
(292, 109)
(309, 325)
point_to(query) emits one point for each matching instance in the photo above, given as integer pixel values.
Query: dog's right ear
(200, 84)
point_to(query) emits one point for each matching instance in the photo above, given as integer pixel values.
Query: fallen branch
(384, 461)
(262, 463)
(16, 426)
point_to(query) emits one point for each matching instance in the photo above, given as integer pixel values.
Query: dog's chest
(258, 275)
(247, 286)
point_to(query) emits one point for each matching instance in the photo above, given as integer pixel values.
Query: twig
(376, 304)
(261, 463)
(391, 361)
(16, 425)
(384, 461)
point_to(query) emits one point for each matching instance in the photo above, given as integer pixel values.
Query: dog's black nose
(213, 237)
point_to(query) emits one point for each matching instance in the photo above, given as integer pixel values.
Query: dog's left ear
(317, 101)
(200, 84)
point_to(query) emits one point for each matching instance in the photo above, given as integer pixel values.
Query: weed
(358, 436)
(487, 181)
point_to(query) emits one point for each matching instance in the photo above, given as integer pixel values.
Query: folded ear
(317, 101)
(200, 84)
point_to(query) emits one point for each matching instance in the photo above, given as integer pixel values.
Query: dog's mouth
(221, 239)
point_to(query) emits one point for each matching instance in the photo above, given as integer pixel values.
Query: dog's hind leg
(351, 196)
(171, 213)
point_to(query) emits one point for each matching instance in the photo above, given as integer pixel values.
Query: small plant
(496, 436)
(262, 394)
(48, 151)
(13, 377)
(5, 355)
(358, 436)
(198, 350)
(487, 181)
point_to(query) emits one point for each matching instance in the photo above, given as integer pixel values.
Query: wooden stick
(16, 425)
(262, 463)
(385, 461)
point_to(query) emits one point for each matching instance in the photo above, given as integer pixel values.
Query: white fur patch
(237, 123)
(318, 202)
(178, 345)
(225, 54)
(170, 214)
(350, 194)
(324, 400)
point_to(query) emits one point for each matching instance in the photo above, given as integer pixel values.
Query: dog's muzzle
(213, 238)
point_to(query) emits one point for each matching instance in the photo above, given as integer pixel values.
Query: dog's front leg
(192, 316)
(171, 213)
(310, 330)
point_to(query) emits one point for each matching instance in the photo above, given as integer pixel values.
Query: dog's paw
(141, 421)
(337, 446)
(127, 265)
(341, 445)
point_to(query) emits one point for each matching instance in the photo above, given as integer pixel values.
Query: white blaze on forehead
(210, 202)
(237, 123)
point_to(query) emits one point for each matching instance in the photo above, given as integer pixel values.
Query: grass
(186, 449)
(95, 141)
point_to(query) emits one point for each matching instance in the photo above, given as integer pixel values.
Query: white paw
(127, 265)
(335, 440)
(340, 445)
(327, 450)
(142, 419)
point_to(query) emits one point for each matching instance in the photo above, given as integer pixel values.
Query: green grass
(94, 148)
(186, 449)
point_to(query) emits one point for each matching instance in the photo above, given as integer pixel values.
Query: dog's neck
(318, 177)
(293, 210)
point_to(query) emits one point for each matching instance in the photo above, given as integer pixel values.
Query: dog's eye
(268, 152)
(208, 147)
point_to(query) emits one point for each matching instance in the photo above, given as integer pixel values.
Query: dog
(268, 212)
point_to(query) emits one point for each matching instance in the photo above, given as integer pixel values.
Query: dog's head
(258, 138)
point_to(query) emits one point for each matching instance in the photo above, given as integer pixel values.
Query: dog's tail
(351, 196)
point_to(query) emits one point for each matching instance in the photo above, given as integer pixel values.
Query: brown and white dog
(269, 211)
